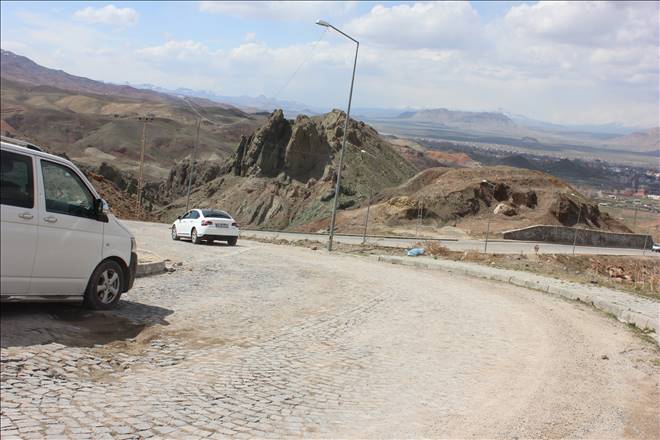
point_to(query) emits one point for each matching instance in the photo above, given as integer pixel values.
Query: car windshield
(209, 213)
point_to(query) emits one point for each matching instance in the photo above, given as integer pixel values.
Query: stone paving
(263, 341)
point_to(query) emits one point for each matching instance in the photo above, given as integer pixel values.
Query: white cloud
(174, 50)
(109, 15)
(592, 23)
(420, 25)
(278, 10)
(544, 69)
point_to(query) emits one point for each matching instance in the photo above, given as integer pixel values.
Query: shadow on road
(73, 325)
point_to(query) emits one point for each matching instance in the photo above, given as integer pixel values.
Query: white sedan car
(206, 225)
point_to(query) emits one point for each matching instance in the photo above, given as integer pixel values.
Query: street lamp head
(323, 23)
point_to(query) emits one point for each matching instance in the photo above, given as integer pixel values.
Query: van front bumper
(132, 270)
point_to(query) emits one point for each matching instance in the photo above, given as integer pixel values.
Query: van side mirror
(178, 217)
(101, 209)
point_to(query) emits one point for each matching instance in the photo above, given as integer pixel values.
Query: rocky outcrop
(176, 184)
(284, 173)
(506, 209)
(295, 148)
(570, 211)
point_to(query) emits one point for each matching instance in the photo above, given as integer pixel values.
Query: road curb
(153, 268)
(572, 291)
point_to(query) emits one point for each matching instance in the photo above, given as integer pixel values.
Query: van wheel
(105, 286)
(232, 241)
(193, 236)
(175, 236)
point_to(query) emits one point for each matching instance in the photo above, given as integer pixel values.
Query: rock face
(296, 149)
(505, 208)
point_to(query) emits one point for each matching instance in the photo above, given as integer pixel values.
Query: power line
(295, 72)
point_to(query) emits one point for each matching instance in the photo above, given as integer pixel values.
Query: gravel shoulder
(264, 341)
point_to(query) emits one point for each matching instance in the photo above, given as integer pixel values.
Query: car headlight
(133, 244)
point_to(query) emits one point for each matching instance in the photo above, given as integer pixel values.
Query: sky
(562, 62)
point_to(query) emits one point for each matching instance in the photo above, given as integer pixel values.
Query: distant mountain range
(22, 69)
(441, 123)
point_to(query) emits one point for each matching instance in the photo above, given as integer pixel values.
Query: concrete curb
(641, 319)
(153, 268)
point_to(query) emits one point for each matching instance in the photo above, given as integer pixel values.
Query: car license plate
(221, 225)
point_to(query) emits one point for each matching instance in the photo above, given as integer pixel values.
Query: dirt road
(271, 341)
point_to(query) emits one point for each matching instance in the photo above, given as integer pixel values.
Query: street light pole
(366, 219)
(192, 164)
(140, 189)
(343, 144)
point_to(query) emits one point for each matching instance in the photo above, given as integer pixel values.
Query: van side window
(65, 192)
(16, 180)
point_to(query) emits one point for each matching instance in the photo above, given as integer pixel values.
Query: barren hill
(93, 128)
(453, 118)
(466, 198)
(22, 69)
(646, 140)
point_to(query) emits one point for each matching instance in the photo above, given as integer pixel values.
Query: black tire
(232, 241)
(105, 286)
(193, 237)
(175, 235)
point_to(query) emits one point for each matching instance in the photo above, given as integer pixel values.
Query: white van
(59, 241)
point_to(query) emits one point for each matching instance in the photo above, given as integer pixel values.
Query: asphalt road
(267, 341)
(494, 246)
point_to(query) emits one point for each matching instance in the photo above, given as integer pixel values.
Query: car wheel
(105, 286)
(193, 236)
(232, 241)
(175, 236)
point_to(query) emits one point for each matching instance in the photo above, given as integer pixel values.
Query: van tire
(175, 235)
(232, 241)
(105, 286)
(193, 236)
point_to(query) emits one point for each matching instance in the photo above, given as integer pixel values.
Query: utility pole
(576, 225)
(635, 217)
(646, 237)
(140, 188)
(366, 219)
(192, 164)
(490, 217)
(420, 216)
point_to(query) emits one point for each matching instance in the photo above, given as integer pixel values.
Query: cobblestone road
(263, 341)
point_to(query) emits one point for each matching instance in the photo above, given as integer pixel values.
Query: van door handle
(26, 216)
(50, 219)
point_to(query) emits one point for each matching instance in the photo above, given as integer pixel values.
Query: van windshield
(208, 213)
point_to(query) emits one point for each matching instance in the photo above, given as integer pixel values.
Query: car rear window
(208, 213)
(16, 180)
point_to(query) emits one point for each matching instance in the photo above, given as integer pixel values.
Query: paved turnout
(265, 341)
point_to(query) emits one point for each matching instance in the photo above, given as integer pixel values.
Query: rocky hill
(468, 198)
(282, 175)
